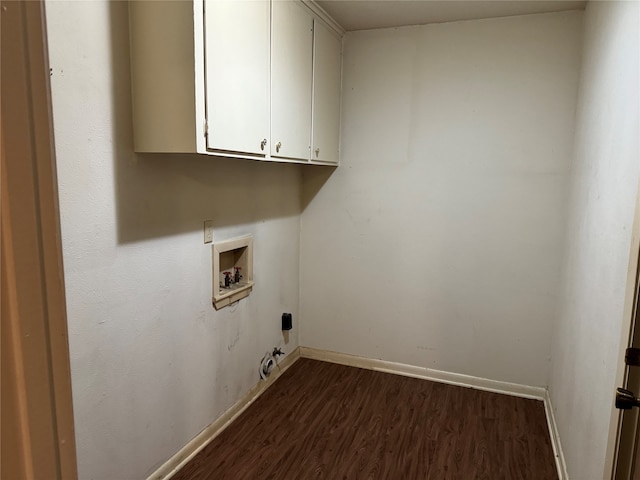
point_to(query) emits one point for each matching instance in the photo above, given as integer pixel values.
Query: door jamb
(626, 337)
(39, 440)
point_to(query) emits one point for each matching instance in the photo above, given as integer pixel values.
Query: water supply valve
(266, 365)
(269, 362)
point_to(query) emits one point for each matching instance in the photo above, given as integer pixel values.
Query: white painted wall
(152, 362)
(438, 241)
(604, 185)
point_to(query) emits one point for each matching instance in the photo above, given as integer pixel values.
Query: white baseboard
(515, 389)
(459, 379)
(555, 438)
(191, 449)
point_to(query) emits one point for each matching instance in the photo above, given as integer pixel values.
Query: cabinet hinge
(206, 128)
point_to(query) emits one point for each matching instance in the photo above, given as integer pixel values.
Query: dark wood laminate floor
(326, 421)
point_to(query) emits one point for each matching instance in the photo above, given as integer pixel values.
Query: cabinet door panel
(327, 63)
(291, 76)
(237, 75)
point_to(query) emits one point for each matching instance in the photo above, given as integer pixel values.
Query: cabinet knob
(263, 144)
(278, 145)
(317, 152)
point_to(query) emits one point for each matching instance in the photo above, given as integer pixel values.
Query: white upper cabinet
(167, 76)
(291, 76)
(327, 67)
(236, 78)
(237, 75)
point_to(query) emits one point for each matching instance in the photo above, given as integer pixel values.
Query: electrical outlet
(208, 231)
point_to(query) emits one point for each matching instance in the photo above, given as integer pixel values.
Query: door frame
(37, 415)
(630, 328)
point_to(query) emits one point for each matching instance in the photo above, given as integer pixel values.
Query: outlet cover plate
(208, 231)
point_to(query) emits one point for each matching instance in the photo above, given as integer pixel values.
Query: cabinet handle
(263, 144)
(317, 152)
(278, 145)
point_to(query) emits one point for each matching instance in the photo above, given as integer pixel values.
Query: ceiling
(370, 14)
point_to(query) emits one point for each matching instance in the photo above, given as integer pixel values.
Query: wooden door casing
(37, 414)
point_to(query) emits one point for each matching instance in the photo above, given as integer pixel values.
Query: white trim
(459, 379)
(554, 434)
(191, 449)
(320, 12)
(514, 389)
(627, 326)
(199, 78)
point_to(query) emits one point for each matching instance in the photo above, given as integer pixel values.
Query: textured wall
(603, 196)
(152, 362)
(438, 241)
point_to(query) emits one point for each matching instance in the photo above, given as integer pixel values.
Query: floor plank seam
(536, 393)
(195, 449)
(440, 376)
(328, 421)
(183, 456)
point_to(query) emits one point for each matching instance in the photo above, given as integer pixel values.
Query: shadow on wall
(167, 194)
(313, 178)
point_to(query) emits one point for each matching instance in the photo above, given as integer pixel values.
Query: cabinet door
(327, 63)
(237, 75)
(291, 69)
